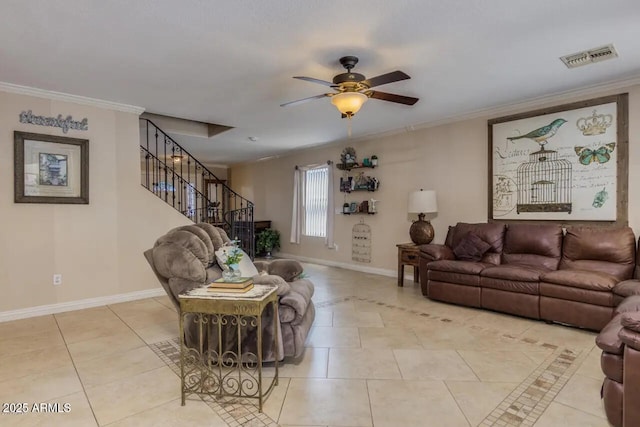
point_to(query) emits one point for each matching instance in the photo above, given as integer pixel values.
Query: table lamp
(422, 202)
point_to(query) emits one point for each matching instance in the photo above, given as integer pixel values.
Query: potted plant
(268, 240)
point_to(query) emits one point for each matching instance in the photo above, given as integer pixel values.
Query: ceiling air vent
(589, 56)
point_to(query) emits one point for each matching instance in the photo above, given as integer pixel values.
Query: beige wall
(96, 247)
(451, 159)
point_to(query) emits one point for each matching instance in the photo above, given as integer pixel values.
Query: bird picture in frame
(541, 135)
(586, 156)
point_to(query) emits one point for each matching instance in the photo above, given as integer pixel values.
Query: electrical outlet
(335, 246)
(57, 279)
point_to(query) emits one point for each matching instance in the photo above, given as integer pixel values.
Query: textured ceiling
(231, 62)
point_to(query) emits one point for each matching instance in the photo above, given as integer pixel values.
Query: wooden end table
(408, 254)
(231, 372)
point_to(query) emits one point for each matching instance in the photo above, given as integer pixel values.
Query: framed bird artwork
(565, 164)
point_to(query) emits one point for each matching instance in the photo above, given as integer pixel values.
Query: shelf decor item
(421, 202)
(268, 240)
(374, 161)
(50, 169)
(348, 157)
(232, 272)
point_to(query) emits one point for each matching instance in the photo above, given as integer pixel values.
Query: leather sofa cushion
(569, 293)
(594, 280)
(612, 366)
(457, 278)
(613, 248)
(458, 266)
(608, 339)
(628, 287)
(533, 244)
(531, 288)
(522, 273)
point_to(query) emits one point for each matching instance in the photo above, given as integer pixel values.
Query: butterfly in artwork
(586, 156)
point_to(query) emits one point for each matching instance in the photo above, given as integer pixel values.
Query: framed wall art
(566, 163)
(50, 169)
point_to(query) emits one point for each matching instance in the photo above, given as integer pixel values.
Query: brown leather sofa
(619, 341)
(532, 270)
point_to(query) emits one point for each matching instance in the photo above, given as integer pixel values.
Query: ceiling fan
(354, 89)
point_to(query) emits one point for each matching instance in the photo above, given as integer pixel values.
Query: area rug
(522, 407)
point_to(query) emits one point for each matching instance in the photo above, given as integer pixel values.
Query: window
(316, 191)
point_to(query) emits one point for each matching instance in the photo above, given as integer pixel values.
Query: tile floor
(378, 355)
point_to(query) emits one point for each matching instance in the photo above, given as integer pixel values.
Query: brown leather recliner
(530, 250)
(458, 281)
(620, 362)
(594, 260)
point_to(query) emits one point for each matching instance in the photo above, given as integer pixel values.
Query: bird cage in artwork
(544, 183)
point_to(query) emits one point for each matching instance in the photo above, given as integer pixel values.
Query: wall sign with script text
(57, 122)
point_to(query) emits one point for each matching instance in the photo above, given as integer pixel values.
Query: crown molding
(59, 96)
(500, 110)
(563, 97)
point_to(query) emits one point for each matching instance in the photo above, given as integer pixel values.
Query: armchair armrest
(627, 288)
(288, 269)
(269, 279)
(436, 252)
(294, 305)
(630, 333)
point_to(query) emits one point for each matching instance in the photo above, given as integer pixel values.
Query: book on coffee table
(240, 283)
(247, 288)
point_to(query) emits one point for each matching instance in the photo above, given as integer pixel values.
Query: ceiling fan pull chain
(349, 126)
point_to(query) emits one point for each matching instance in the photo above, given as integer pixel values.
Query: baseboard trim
(345, 265)
(43, 310)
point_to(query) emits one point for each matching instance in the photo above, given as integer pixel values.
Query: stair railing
(174, 175)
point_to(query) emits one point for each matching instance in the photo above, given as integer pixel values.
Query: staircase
(175, 176)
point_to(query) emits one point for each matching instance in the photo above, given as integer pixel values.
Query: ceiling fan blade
(303, 100)
(392, 97)
(312, 80)
(383, 79)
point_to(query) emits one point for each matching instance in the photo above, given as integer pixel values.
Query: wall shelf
(348, 167)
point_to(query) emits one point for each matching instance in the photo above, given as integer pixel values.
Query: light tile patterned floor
(378, 355)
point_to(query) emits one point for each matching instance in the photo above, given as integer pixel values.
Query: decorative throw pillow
(471, 248)
(247, 269)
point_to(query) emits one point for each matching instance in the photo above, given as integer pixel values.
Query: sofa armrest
(269, 279)
(627, 288)
(608, 339)
(630, 333)
(436, 252)
(288, 269)
(294, 305)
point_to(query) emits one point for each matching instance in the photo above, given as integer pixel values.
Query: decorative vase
(231, 273)
(268, 255)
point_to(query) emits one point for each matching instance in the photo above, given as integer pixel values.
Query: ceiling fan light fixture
(349, 103)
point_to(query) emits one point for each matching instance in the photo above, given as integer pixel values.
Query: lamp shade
(423, 201)
(349, 103)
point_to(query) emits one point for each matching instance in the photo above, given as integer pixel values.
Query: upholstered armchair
(184, 259)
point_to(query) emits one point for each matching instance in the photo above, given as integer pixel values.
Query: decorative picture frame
(50, 169)
(567, 164)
